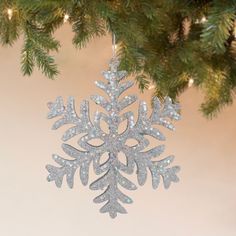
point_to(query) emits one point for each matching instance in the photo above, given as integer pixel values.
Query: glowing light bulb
(203, 20)
(66, 18)
(190, 82)
(152, 86)
(9, 13)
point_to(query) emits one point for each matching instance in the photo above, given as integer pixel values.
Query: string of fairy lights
(67, 17)
(10, 14)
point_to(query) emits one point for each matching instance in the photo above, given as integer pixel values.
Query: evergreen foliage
(163, 42)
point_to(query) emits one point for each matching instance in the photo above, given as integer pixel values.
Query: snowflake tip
(49, 177)
(56, 108)
(113, 209)
(176, 168)
(170, 176)
(49, 104)
(53, 176)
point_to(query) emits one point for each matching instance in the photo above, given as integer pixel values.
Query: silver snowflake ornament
(112, 170)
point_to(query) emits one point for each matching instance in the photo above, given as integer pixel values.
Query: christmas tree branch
(164, 43)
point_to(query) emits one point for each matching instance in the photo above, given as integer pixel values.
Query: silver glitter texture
(113, 169)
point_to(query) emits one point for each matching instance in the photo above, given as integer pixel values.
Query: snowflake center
(114, 143)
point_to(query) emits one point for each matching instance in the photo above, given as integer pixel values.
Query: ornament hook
(113, 45)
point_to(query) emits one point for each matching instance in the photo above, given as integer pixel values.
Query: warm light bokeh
(203, 203)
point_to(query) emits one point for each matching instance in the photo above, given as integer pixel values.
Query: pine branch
(217, 29)
(27, 58)
(35, 51)
(163, 42)
(143, 82)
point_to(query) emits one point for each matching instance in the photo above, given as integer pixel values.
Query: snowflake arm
(160, 168)
(112, 195)
(81, 124)
(68, 168)
(162, 115)
(68, 113)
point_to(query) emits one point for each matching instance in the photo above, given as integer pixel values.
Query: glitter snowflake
(113, 169)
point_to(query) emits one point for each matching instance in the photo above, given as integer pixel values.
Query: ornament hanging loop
(114, 62)
(113, 45)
